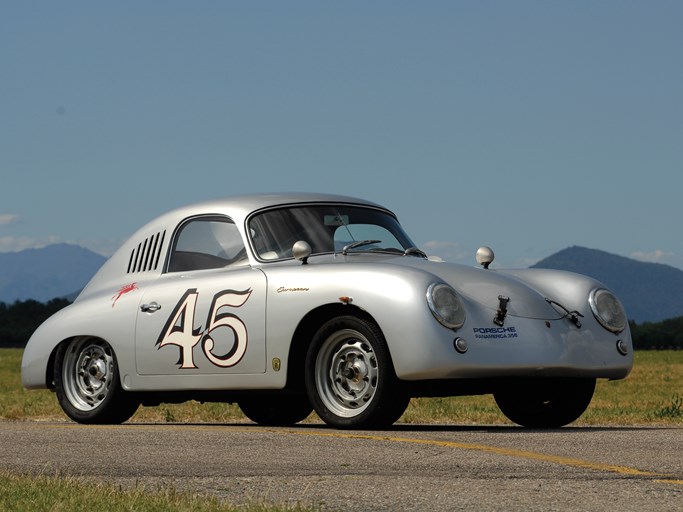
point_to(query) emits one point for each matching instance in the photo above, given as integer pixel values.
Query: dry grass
(68, 494)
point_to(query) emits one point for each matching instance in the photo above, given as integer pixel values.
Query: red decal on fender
(122, 291)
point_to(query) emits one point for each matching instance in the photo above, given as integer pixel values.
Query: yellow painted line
(509, 452)
(674, 482)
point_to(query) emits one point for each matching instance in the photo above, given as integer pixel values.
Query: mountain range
(650, 292)
(59, 270)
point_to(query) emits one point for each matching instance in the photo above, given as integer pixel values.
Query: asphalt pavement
(410, 468)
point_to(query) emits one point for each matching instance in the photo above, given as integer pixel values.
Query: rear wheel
(276, 410)
(350, 376)
(545, 403)
(87, 383)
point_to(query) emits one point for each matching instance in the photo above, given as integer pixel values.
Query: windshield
(327, 229)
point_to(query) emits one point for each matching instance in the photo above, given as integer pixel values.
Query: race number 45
(180, 331)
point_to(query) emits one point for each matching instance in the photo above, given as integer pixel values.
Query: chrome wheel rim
(88, 371)
(346, 373)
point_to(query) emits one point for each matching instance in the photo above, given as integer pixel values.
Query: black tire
(350, 377)
(87, 383)
(276, 410)
(545, 403)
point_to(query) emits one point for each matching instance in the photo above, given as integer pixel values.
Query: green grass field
(651, 395)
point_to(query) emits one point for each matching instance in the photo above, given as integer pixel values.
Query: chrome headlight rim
(441, 297)
(610, 315)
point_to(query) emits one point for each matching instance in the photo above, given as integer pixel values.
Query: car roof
(154, 237)
(243, 205)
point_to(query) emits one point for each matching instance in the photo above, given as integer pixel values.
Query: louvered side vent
(146, 255)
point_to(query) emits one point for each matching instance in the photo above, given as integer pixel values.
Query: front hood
(486, 286)
(527, 289)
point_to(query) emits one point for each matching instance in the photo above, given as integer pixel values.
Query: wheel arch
(50, 369)
(304, 333)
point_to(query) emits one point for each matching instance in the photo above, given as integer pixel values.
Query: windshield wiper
(414, 251)
(572, 316)
(359, 243)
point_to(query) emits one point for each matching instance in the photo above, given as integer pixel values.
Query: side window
(207, 243)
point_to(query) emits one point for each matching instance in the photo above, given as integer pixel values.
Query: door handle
(150, 308)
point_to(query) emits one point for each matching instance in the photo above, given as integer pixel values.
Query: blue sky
(526, 126)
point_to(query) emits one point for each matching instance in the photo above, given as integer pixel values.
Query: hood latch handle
(499, 319)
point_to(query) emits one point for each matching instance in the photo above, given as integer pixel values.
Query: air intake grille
(145, 256)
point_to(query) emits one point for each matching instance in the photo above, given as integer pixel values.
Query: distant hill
(650, 292)
(59, 270)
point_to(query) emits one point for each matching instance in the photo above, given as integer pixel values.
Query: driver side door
(206, 313)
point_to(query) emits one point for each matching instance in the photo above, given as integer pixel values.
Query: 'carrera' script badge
(285, 289)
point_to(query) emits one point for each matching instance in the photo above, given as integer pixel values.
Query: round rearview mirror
(485, 256)
(301, 250)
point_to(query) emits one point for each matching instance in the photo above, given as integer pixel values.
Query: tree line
(664, 335)
(19, 320)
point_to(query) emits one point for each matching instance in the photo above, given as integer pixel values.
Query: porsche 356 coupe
(290, 303)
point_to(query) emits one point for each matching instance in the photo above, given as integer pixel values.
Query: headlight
(607, 310)
(445, 305)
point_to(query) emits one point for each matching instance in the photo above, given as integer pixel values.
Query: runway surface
(412, 468)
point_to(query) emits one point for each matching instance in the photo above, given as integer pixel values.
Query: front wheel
(350, 377)
(87, 383)
(545, 403)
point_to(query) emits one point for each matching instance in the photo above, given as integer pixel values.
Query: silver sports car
(297, 302)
